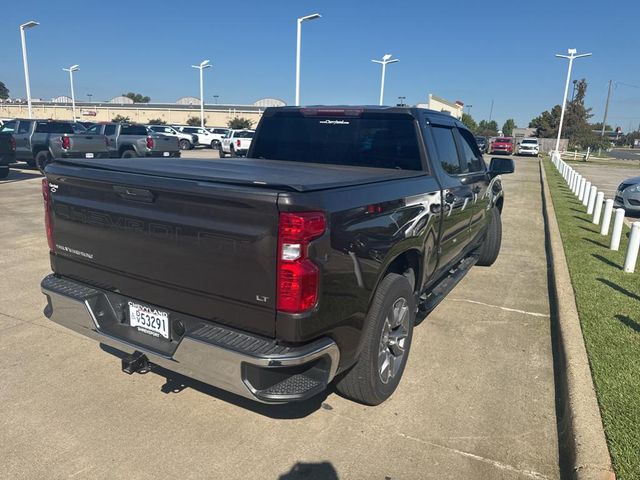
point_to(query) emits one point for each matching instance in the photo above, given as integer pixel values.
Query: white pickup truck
(236, 143)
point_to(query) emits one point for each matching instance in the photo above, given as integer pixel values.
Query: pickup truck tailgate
(164, 143)
(80, 143)
(195, 247)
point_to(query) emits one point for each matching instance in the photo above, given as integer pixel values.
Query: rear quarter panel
(367, 228)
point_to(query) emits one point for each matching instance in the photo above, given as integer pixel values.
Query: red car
(502, 145)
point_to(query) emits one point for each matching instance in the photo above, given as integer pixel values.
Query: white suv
(205, 137)
(529, 146)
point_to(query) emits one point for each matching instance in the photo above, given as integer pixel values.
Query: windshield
(382, 141)
(243, 134)
(503, 140)
(529, 142)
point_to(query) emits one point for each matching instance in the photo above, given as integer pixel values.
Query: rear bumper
(160, 154)
(6, 159)
(66, 154)
(247, 365)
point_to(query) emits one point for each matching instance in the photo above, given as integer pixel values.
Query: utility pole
(606, 109)
(491, 111)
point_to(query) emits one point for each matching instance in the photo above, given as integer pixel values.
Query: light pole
(215, 99)
(89, 95)
(71, 69)
(23, 27)
(401, 98)
(469, 109)
(572, 55)
(204, 64)
(386, 59)
(298, 41)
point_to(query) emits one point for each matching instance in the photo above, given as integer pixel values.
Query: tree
(195, 121)
(507, 128)
(240, 123)
(137, 97)
(468, 120)
(156, 121)
(4, 91)
(121, 119)
(546, 124)
(598, 127)
(487, 128)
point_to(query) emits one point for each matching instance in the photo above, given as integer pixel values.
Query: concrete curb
(582, 432)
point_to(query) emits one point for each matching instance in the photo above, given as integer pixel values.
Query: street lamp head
(74, 68)
(386, 57)
(29, 24)
(309, 17)
(205, 63)
(572, 51)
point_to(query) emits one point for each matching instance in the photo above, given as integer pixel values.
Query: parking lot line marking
(502, 466)
(506, 309)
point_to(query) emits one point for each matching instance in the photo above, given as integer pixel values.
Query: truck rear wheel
(387, 340)
(491, 246)
(42, 160)
(129, 154)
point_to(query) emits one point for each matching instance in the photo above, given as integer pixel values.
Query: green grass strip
(608, 303)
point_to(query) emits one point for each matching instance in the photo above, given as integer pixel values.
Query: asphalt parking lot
(607, 178)
(477, 399)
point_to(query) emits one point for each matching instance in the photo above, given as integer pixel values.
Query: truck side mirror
(501, 166)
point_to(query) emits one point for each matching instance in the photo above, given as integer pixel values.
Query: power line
(627, 84)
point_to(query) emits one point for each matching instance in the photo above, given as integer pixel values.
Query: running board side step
(428, 301)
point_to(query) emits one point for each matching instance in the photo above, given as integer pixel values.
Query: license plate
(149, 320)
(88, 155)
(165, 154)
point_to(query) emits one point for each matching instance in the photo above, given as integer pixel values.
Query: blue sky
(465, 50)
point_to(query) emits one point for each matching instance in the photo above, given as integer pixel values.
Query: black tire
(221, 152)
(31, 163)
(42, 160)
(214, 144)
(364, 382)
(185, 144)
(129, 154)
(4, 172)
(491, 246)
(232, 151)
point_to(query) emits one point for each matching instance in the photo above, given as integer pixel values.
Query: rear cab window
(133, 130)
(380, 140)
(8, 127)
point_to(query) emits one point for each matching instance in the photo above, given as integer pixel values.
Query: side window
(447, 152)
(95, 129)
(23, 127)
(109, 129)
(469, 153)
(42, 127)
(8, 127)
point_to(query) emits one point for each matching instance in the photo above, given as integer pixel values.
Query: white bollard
(587, 191)
(571, 177)
(592, 200)
(576, 179)
(606, 217)
(632, 249)
(618, 222)
(597, 209)
(576, 187)
(583, 182)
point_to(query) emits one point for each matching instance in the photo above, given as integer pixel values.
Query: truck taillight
(66, 143)
(298, 276)
(238, 143)
(46, 195)
(150, 143)
(12, 144)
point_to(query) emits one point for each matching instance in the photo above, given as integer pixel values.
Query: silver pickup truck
(127, 140)
(39, 141)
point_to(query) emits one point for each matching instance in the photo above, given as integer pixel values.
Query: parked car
(502, 145)
(529, 146)
(186, 141)
(39, 141)
(483, 145)
(7, 152)
(271, 276)
(204, 136)
(236, 143)
(128, 140)
(219, 133)
(628, 195)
